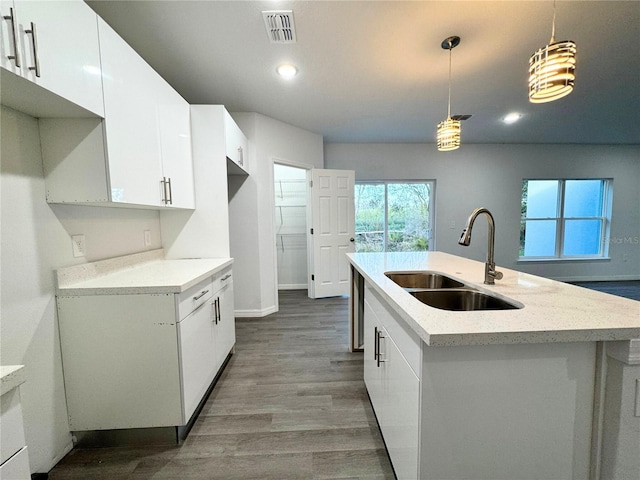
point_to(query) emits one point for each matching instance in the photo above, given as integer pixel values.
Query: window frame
(561, 221)
(432, 204)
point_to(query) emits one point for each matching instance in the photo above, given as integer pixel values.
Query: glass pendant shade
(448, 135)
(551, 72)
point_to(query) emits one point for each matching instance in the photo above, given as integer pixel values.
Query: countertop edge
(168, 288)
(11, 377)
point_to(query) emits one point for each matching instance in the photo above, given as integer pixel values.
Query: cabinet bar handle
(217, 310)
(12, 18)
(198, 297)
(225, 277)
(375, 343)
(34, 43)
(379, 354)
(164, 190)
(170, 201)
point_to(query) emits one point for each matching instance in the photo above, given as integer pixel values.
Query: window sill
(563, 260)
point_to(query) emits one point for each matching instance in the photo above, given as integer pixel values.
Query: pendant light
(551, 69)
(448, 131)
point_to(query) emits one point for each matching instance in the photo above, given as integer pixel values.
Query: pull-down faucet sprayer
(490, 272)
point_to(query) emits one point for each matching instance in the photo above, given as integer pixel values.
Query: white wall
(491, 176)
(35, 240)
(251, 207)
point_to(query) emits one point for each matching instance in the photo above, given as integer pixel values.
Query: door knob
(352, 239)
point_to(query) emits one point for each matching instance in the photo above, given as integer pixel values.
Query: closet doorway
(291, 198)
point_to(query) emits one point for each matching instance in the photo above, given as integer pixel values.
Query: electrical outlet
(147, 238)
(453, 224)
(625, 257)
(78, 246)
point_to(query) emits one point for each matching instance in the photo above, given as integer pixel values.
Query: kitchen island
(498, 394)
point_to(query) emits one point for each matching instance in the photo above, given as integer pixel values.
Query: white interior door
(333, 227)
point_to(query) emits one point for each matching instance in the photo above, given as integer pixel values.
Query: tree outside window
(393, 216)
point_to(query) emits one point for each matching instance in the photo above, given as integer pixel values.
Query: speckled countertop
(148, 272)
(11, 376)
(553, 311)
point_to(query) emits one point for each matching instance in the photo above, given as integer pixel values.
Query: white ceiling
(374, 71)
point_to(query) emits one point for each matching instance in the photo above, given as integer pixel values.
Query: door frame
(272, 197)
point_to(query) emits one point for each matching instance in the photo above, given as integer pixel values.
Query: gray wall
(491, 176)
(35, 240)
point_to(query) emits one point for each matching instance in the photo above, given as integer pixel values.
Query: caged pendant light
(448, 131)
(551, 69)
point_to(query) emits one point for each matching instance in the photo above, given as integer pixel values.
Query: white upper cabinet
(175, 144)
(138, 156)
(131, 123)
(236, 145)
(52, 44)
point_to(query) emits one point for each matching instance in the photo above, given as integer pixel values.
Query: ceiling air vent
(280, 27)
(460, 117)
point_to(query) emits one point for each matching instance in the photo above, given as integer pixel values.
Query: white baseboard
(604, 278)
(255, 313)
(293, 286)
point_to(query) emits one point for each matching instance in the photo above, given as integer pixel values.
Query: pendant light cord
(553, 24)
(449, 104)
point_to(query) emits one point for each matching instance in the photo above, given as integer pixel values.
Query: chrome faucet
(490, 273)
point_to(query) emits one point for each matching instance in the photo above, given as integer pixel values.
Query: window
(565, 218)
(393, 216)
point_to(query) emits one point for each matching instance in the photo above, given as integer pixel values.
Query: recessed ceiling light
(287, 70)
(512, 117)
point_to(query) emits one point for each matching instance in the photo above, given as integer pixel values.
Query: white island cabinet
(50, 46)
(497, 394)
(138, 156)
(142, 346)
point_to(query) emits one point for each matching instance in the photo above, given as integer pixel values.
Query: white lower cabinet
(393, 386)
(14, 459)
(141, 361)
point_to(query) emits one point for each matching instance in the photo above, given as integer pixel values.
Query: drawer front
(406, 339)
(222, 279)
(191, 299)
(11, 429)
(17, 468)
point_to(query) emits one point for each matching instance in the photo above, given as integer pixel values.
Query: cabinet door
(175, 141)
(67, 50)
(236, 142)
(372, 371)
(10, 39)
(197, 355)
(131, 122)
(401, 409)
(226, 327)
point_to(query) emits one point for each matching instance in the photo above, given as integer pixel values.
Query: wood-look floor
(291, 404)
(628, 289)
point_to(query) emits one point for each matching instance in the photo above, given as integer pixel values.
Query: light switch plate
(77, 243)
(147, 238)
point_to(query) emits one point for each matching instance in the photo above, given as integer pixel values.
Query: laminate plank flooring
(627, 288)
(291, 404)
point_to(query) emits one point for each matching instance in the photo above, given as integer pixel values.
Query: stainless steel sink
(423, 279)
(462, 300)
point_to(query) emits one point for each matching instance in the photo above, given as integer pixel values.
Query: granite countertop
(553, 311)
(145, 273)
(11, 376)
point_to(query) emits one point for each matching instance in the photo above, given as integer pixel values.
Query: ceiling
(374, 71)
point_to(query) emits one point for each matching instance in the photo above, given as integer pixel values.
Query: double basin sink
(443, 292)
